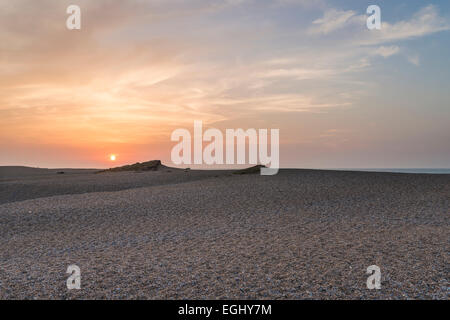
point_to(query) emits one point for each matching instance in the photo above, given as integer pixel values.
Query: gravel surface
(50, 184)
(193, 235)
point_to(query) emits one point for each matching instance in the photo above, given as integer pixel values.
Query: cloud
(351, 34)
(387, 51)
(414, 59)
(297, 73)
(331, 21)
(426, 21)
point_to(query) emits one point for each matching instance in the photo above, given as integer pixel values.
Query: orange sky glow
(138, 70)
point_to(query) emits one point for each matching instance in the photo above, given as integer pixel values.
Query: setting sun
(112, 157)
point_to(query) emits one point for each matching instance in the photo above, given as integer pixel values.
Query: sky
(342, 96)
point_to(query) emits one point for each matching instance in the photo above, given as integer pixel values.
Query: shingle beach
(301, 234)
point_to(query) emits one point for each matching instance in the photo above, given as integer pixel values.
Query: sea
(401, 170)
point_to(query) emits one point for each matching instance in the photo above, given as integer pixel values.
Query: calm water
(423, 170)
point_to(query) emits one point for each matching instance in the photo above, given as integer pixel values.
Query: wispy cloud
(387, 51)
(426, 21)
(414, 59)
(332, 20)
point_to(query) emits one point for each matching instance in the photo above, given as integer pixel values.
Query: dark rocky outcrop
(153, 165)
(251, 170)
